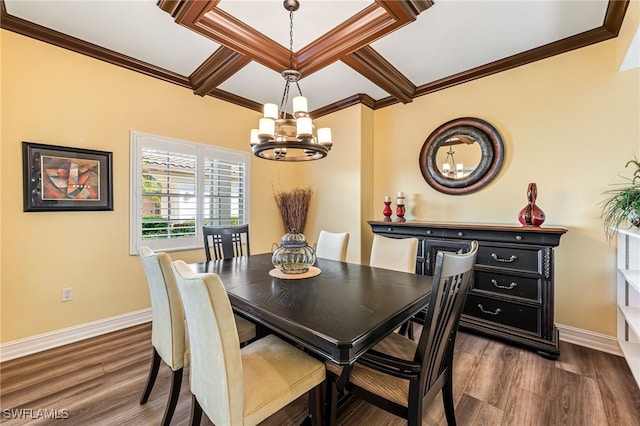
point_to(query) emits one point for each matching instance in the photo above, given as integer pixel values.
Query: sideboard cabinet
(511, 297)
(628, 289)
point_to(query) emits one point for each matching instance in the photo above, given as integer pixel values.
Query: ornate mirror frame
(492, 155)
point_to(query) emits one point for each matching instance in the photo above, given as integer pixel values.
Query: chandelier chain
(291, 38)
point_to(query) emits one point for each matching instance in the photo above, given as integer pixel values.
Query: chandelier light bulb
(254, 140)
(324, 135)
(300, 105)
(304, 127)
(446, 168)
(271, 111)
(267, 127)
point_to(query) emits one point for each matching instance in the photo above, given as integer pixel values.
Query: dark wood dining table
(338, 314)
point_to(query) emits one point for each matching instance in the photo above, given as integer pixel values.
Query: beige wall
(569, 124)
(54, 96)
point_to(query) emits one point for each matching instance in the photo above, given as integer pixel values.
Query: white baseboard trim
(42, 342)
(589, 339)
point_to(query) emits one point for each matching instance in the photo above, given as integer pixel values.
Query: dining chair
(226, 242)
(233, 385)
(332, 245)
(400, 375)
(399, 254)
(168, 326)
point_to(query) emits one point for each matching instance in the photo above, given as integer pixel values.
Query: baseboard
(589, 339)
(42, 342)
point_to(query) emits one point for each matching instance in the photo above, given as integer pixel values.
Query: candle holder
(387, 211)
(400, 208)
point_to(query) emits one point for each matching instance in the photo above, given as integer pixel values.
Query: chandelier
(289, 137)
(451, 168)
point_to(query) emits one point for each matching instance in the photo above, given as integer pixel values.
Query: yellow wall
(569, 124)
(342, 181)
(54, 96)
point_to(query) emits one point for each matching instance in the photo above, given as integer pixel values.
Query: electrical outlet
(67, 294)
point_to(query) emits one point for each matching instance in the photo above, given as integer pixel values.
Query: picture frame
(61, 178)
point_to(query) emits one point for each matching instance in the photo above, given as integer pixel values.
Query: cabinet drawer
(518, 316)
(511, 257)
(509, 285)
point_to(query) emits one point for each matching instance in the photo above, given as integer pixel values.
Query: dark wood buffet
(513, 290)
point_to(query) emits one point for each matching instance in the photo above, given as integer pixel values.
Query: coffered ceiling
(376, 52)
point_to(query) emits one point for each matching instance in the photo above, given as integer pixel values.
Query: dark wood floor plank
(576, 359)
(525, 408)
(495, 374)
(620, 393)
(100, 380)
(471, 411)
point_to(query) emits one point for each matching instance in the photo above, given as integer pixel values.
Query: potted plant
(623, 203)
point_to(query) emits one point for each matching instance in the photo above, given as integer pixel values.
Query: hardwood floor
(99, 382)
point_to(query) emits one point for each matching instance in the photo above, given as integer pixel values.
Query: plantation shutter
(177, 187)
(224, 192)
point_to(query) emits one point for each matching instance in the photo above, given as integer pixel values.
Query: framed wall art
(60, 178)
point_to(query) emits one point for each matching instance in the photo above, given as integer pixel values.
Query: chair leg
(153, 373)
(315, 405)
(331, 402)
(173, 397)
(447, 398)
(196, 412)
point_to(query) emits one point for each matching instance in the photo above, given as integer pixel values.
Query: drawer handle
(501, 259)
(460, 234)
(508, 287)
(518, 237)
(496, 312)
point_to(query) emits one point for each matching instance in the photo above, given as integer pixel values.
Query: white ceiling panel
(138, 28)
(455, 36)
(312, 19)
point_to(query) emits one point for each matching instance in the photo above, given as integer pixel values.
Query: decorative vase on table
(293, 255)
(531, 214)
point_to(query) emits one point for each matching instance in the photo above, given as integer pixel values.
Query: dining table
(338, 314)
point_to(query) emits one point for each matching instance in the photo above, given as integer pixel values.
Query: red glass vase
(531, 214)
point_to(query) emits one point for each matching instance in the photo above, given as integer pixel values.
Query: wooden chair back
(226, 242)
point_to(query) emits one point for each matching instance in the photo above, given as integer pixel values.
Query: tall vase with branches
(293, 205)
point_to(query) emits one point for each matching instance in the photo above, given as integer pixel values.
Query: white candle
(324, 135)
(304, 126)
(387, 199)
(271, 111)
(267, 127)
(300, 104)
(254, 140)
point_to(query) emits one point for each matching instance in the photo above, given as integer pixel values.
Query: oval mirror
(461, 156)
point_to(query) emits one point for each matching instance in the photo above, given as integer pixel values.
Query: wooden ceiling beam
(216, 69)
(373, 66)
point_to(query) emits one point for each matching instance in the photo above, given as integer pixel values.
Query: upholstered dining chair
(398, 254)
(332, 245)
(226, 242)
(233, 385)
(168, 326)
(400, 375)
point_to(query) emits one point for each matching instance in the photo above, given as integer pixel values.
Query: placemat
(312, 272)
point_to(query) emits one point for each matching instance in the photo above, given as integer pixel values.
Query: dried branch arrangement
(293, 206)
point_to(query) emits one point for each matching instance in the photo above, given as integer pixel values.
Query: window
(177, 187)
